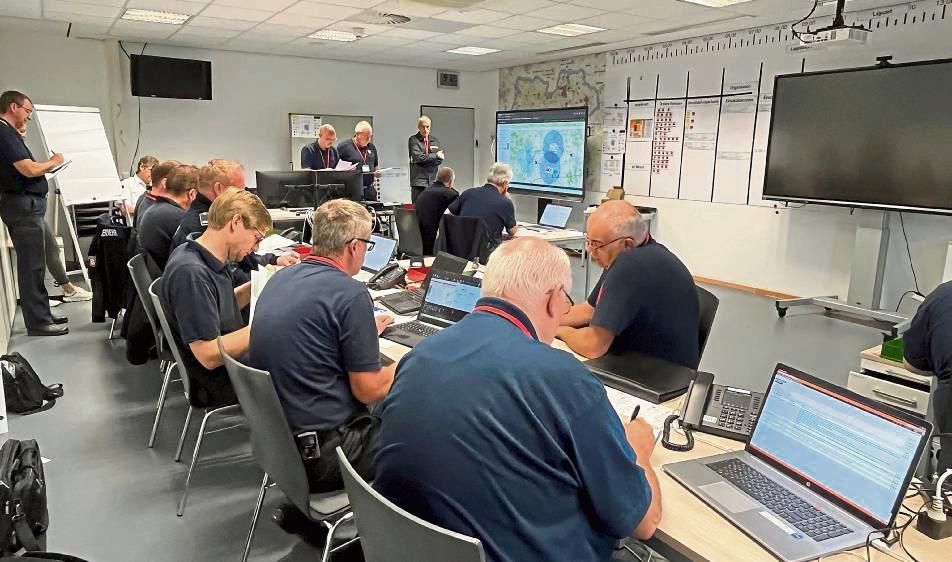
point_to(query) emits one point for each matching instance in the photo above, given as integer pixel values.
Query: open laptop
(554, 217)
(380, 256)
(410, 300)
(823, 468)
(448, 299)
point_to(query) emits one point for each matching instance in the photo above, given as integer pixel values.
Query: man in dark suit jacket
(425, 158)
(432, 203)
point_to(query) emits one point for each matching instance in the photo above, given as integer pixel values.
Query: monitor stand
(866, 282)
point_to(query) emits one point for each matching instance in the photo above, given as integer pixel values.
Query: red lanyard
(359, 151)
(326, 157)
(326, 261)
(503, 314)
(426, 144)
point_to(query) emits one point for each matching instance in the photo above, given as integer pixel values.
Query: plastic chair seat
(328, 503)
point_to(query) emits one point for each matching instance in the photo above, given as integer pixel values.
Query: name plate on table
(644, 376)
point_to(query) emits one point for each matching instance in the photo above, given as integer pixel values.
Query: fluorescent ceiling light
(475, 51)
(154, 16)
(571, 29)
(718, 3)
(334, 35)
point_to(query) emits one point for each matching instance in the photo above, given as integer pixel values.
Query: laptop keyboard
(418, 328)
(788, 506)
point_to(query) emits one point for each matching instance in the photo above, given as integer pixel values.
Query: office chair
(141, 279)
(194, 401)
(410, 241)
(464, 237)
(274, 450)
(708, 304)
(391, 534)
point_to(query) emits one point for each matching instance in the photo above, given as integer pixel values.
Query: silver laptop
(554, 217)
(380, 256)
(449, 298)
(823, 468)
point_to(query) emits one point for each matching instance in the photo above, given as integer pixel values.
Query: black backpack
(23, 514)
(22, 387)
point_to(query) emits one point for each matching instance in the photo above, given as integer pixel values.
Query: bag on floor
(24, 391)
(23, 514)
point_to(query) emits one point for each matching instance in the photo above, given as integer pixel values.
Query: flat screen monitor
(288, 190)
(165, 77)
(869, 137)
(546, 149)
(337, 184)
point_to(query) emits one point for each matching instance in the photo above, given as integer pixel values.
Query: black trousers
(415, 191)
(359, 438)
(23, 214)
(943, 421)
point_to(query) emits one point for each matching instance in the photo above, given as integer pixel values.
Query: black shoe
(292, 521)
(60, 319)
(48, 330)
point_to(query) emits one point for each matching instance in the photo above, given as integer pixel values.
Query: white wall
(247, 120)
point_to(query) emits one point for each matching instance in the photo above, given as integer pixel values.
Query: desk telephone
(387, 278)
(716, 409)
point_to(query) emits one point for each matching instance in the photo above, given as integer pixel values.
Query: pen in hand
(634, 413)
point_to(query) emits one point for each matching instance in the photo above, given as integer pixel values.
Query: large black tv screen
(164, 77)
(873, 137)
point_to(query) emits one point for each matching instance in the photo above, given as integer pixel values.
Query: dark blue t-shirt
(313, 324)
(349, 152)
(14, 149)
(487, 203)
(648, 299)
(316, 158)
(928, 342)
(493, 434)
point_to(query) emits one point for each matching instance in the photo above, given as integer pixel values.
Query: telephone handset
(716, 409)
(387, 278)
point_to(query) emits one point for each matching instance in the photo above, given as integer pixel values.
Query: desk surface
(555, 235)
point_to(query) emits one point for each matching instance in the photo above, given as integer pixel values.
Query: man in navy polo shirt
(321, 154)
(359, 150)
(314, 330)
(200, 300)
(490, 432)
(158, 224)
(645, 300)
(491, 203)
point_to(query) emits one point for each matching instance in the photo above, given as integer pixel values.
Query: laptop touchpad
(726, 495)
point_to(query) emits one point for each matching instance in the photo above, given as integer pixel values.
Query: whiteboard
(79, 135)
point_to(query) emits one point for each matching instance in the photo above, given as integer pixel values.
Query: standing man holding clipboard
(23, 189)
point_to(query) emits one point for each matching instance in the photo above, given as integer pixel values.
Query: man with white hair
(321, 154)
(645, 300)
(491, 203)
(361, 151)
(528, 456)
(426, 156)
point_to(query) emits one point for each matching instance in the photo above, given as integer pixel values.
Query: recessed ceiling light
(717, 3)
(571, 29)
(154, 16)
(475, 51)
(334, 35)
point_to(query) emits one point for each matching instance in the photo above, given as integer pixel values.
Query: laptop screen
(856, 452)
(450, 297)
(380, 256)
(555, 215)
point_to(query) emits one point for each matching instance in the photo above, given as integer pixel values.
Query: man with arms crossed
(425, 158)
(490, 432)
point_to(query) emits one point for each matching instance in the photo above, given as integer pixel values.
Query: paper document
(344, 165)
(259, 278)
(273, 242)
(624, 405)
(59, 168)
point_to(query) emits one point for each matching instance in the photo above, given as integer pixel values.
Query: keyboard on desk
(409, 333)
(419, 328)
(787, 505)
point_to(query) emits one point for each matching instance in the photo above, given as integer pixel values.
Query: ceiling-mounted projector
(837, 34)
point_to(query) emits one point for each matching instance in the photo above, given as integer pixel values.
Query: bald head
(621, 218)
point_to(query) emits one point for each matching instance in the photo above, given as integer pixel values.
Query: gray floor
(111, 498)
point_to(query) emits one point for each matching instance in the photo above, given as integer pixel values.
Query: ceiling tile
(178, 6)
(114, 3)
(409, 8)
(362, 4)
(665, 9)
(244, 14)
(448, 41)
(271, 5)
(517, 6)
(275, 30)
(79, 18)
(535, 38)
(776, 7)
(526, 23)
(64, 7)
(382, 41)
(21, 8)
(142, 30)
(507, 44)
(254, 37)
(365, 28)
(566, 13)
(193, 31)
(416, 34)
(298, 19)
(322, 10)
(90, 30)
(614, 5)
(433, 24)
(489, 31)
(236, 25)
(472, 16)
(616, 21)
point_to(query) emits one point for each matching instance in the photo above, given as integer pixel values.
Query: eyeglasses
(370, 243)
(260, 236)
(595, 245)
(568, 297)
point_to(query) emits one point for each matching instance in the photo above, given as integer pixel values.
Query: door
(455, 128)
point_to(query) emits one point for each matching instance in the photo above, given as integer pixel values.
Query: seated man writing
(490, 432)
(645, 300)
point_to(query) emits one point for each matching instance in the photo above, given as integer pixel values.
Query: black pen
(634, 414)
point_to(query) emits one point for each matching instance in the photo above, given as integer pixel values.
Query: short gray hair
(423, 119)
(363, 126)
(499, 174)
(445, 174)
(526, 269)
(336, 223)
(326, 128)
(633, 226)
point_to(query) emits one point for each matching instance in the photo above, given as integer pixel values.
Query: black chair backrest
(272, 445)
(464, 237)
(408, 232)
(708, 308)
(141, 280)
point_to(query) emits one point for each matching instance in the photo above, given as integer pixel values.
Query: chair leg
(161, 405)
(330, 535)
(181, 441)
(195, 453)
(254, 517)
(112, 328)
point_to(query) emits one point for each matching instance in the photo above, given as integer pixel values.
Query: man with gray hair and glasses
(491, 203)
(645, 300)
(491, 432)
(315, 331)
